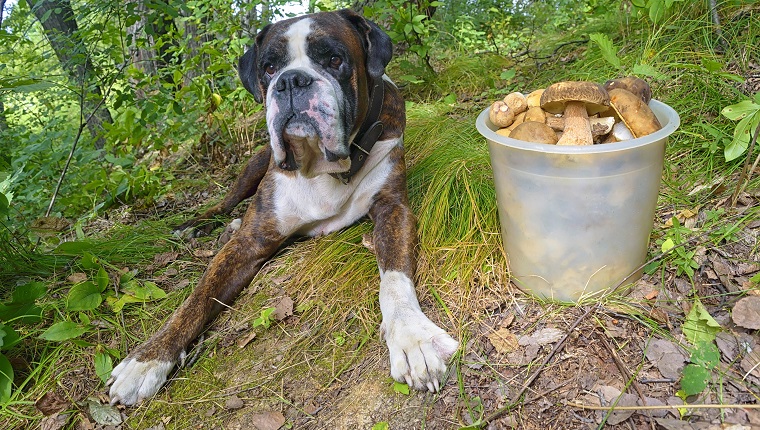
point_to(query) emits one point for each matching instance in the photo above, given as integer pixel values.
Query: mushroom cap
(636, 114)
(636, 85)
(535, 113)
(532, 131)
(517, 102)
(593, 95)
(500, 114)
(534, 98)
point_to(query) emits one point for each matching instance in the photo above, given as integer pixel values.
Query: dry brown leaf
(268, 420)
(51, 402)
(667, 356)
(283, 309)
(245, 340)
(503, 340)
(746, 312)
(161, 260)
(204, 253)
(54, 422)
(544, 336)
(76, 278)
(234, 403)
(751, 364)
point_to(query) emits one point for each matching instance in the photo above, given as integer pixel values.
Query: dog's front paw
(419, 350)
(133, 380)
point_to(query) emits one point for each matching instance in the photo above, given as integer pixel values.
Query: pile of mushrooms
(578, 113)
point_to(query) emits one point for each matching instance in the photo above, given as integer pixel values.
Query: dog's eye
(335, 61)
(269, 69)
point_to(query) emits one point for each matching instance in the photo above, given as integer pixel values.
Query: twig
(658, 407)
(628, 376)
(746, 174)
(557, 347)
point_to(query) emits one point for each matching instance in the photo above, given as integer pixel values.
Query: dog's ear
(377, 43)
(248, 69)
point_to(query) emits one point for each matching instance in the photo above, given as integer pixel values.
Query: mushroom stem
(577, 126)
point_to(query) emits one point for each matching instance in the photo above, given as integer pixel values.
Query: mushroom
(578, 100)
(620, 133)
(533, 131)
(518, 120)
(599, 126)
(516, 101)
(636, 114)
(534, 98)
(637, 86)
(500, 114)
(535, 113)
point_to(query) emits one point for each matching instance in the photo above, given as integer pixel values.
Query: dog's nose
(293, 79)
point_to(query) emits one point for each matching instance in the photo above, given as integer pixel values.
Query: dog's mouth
(305, 151)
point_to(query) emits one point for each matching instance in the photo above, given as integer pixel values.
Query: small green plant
(747, 112)
(700, 329)
(681, 258)
(22, 309)
(265, 318)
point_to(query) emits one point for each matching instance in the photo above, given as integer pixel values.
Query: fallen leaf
(51, 402)
(503, 340)
(652, 295)
(161, 260)
(746, 313)
(667, 356)
(544, 336)
(234, 403)
(283, 309)
(204, 253)
(54, 422)
(245, 340)
(77, 277)
(673, 424)
(103, 414)
(268, 420)
(751, 364)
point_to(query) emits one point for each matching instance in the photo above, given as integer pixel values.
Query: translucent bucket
(576, 220)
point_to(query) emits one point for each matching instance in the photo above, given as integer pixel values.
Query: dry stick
(654, 408)
(627, 375)
(746, 175)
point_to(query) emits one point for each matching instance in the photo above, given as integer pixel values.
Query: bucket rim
(660, 109)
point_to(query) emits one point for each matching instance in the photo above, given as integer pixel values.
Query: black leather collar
(369, 132)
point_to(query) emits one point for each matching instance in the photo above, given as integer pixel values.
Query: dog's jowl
(336, 125)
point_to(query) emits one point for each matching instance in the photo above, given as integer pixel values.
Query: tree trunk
(61, 30)
(152, 29)
(3, 121)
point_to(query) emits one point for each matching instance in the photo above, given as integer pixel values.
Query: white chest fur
(322, 204)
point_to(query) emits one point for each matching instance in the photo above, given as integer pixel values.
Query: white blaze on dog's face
(312, 73)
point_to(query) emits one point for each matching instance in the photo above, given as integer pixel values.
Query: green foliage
(264, 319)
(747, 113)
(400, 388)
(700, 329)
(680, 257)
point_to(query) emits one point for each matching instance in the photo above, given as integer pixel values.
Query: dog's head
(313, 75)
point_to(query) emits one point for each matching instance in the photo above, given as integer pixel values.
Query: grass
(332, 343)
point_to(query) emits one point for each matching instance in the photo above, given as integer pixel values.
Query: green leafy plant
(681, 258)
(609, 53)
(264, 319)
(700, 329)
(747, 112)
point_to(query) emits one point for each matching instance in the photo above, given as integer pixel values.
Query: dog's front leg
(419, 349)
(144, 371)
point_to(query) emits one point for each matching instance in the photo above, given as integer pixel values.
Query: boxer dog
(336, 125)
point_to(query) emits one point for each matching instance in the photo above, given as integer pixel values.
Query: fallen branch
(668, 407)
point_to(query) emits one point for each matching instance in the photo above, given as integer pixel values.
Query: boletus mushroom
(637, 86)
(500, 114)
(517, 102)
(636, 114)
(532, 131)
(578, 100)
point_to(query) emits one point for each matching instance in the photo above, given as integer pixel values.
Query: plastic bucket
(576, 220)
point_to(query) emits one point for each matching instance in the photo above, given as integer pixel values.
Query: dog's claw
(419, 351)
